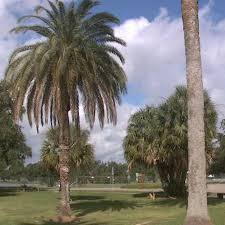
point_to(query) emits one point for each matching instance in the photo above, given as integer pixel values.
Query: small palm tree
(81, 152)
(50, 150)
(74, 60)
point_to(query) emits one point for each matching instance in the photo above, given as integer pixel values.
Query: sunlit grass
(31, 208)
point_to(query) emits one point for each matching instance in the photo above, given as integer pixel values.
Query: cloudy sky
(154, 55)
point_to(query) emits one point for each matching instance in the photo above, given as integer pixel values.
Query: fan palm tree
(50, 150)
(158, 137)
(81, 152)
(197, 212)
(73, 61)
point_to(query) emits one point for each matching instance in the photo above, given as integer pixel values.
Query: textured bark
(64, 143)
(197, 212)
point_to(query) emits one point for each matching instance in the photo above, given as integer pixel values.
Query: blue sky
(155, 61)
(126, 9)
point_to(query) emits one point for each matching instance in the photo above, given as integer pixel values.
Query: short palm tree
(74, 60)
(50, 150)
(81, 151)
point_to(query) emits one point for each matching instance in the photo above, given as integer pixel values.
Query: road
(9, 185)
(212, 188)
(216, 188)
(116, 189)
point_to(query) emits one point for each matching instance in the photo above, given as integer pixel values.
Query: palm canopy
(76, 60)
(156, 133)
(158, 136)
(81, 151)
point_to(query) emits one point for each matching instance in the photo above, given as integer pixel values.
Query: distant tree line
(170, 117)
(38, 172)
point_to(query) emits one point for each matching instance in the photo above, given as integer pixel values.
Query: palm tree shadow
(73, 223)
(159, 194)
(86, 197)
(215, 201)
(167, 202)
(162, 200)
(87, 207)
(8, 192)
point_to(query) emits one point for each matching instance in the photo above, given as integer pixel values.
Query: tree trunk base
(65, 219)
(197, 221)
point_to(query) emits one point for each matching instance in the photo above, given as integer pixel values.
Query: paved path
(212, 188)
(9, 185)
(216, 188)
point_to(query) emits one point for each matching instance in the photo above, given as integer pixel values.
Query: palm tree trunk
(59, 185)
(64, 142)
(197, 212)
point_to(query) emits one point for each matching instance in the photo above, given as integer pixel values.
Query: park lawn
(35, 208)
(156, 185)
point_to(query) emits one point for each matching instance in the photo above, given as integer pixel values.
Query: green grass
(97, 185)
(129, 186)
(142, 186)
(35, 208)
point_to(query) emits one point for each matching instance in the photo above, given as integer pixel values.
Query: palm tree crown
(74, 61)
(158, 136)
(81, 151)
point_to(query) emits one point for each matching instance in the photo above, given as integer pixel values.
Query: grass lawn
(33, 208)
(129, 186)
(142, 186)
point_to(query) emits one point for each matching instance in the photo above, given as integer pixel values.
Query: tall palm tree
(74, 60)
(197, 212)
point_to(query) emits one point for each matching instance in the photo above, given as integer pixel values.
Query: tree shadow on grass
(168, 202)
(160, 194)
(4, 192)
(215, 201)
(162, 200)
(86, 197)
(73, 223)
(87, 207)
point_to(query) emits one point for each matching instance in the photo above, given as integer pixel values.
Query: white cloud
(108, 142)
(7, 42)
(9, 11)
(155, 54)
(155, 64)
